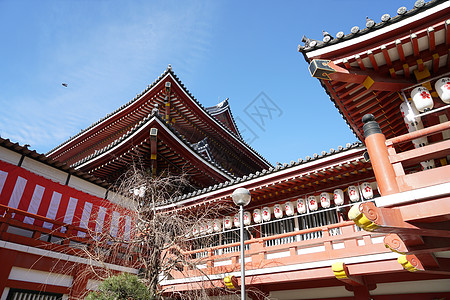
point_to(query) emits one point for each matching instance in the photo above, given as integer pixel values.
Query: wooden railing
(62, 237)
(412, 157)
(350, 243)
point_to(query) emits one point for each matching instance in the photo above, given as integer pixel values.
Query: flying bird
(64, 84)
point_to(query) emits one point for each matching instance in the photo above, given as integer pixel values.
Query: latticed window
(15, 294)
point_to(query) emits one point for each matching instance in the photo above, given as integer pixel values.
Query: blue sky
(109, 51)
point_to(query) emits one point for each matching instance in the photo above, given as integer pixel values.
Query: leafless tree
(159, 240)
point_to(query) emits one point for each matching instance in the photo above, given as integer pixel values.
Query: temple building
(368, 220)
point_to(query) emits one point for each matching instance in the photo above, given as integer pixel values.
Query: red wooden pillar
(167, 101)
(361, 293)
(376, 147)
(8, 257)
(153, 150)
(79, 283)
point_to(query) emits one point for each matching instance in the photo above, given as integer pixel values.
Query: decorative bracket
(341, 272)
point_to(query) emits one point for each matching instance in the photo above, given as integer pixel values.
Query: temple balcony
(287, 258)
(414, 207)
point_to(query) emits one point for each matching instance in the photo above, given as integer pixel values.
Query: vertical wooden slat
(360, 62)
(415, 44)
(386, 55)
(431, 39)
(400, 51)
(372, 60)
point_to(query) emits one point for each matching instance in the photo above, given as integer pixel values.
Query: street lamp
(242, 197)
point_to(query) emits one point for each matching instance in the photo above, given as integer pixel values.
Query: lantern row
(303, 204)
(422, 99)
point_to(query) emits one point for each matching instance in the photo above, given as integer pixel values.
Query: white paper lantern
(338, 197)
(289, 208)
(237, 220)
(142, 190)
(428, 164)
(414, 124)
(247, 218)
(209, 226)
(195, 231)
(442, 87)
(422, 99)
(325, 200)
(367, 190)
(257, 218)
(266, 215)
(202, 228)
(277, 211)
(409, 113)
(353, 193)
(228, 222)
(312, 203)
(301, 205)
(217, 225)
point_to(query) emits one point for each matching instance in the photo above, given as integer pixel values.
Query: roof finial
(369, 22)
(326, 36)
(169, 67)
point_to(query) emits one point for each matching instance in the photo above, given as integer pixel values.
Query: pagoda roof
(190, 114)
(174, 151)
(222, 111)
(371, 67)
(312, 172)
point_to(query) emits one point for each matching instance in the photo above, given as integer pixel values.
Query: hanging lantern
(301, 205)
(325, 200)
(367, 190)
(353, 193)
(209, 226)
(247, 218)
(442, 87)
(202, 228)
(422, 99)
(142, 190)
(277, 211)
(414, 124)
(195, 231)
(257, 218)
(237, 221)
(289, 208)
(338, 197)
(227, 222)
(409, 112)
(266, 214)
(217, 225)
(428, 164)
(312, 203)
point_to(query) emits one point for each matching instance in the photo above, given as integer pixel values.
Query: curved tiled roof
(23, 150)
(138, 96)
(266, 172)
(223, 107)
(371, 25)
(136, 128)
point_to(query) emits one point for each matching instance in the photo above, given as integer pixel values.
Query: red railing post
(7, 218)
(379, 157)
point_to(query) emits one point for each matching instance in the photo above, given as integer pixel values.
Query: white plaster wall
(9, 156)
(44, 170)
(29, 275)
(86, 186)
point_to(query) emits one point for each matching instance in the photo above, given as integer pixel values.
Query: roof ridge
(170, 71)
(136, 128)
(269, 171)
(122, 107)
(371, 25)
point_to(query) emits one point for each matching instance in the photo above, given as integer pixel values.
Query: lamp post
(242, 197)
